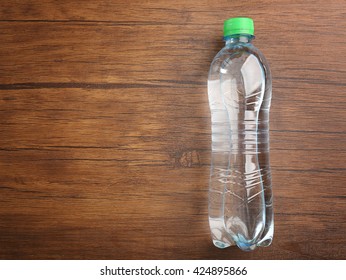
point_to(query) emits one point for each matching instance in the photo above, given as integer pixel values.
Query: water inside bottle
(240, 197)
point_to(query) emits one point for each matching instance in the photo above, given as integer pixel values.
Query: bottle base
(240, 242)
(243, 246)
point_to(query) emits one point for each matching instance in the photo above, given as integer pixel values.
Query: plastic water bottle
(239, 91)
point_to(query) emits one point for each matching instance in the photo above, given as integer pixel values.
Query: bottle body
(240, 193)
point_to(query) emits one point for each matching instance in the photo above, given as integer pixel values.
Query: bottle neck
(238, 38)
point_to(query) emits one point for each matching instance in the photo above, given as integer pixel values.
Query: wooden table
(105, 127)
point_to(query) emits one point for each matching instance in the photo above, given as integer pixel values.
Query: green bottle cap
(238, 25)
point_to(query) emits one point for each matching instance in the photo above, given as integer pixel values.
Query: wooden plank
(184, 13)
(117, 210)
(143, 109)
(105, 127)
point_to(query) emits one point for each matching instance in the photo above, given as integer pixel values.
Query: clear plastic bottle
(239, 91)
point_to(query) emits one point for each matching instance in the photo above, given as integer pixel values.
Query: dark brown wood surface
(105, 127)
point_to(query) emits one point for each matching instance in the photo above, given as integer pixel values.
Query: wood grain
(105, 127)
